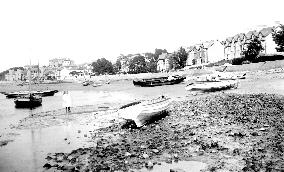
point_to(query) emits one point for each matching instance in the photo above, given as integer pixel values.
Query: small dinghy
(142, 112)
(212, 86)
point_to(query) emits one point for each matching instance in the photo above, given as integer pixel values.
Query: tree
(278, 38)
(158, 52)
(151, 63)
(253, 50)
(179, 58)
(102, 66)
(117, 65)
(137, 65)
(152, 59)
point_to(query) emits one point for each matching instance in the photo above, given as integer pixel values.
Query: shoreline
(187, 134)
(219, 135)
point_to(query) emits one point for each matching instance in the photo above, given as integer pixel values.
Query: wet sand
(225, 131)
(206, 129)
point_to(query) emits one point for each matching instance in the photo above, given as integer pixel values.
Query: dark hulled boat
(29, 101)
(26, 93)
(152, 82)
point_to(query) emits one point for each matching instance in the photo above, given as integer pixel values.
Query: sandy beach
(234, 130)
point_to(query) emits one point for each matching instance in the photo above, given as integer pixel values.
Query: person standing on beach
(67, 102)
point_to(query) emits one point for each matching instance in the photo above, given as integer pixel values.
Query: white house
(215, 51)
(163, 63)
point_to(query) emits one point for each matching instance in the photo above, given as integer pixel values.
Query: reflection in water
(28, 151)
(33, 149)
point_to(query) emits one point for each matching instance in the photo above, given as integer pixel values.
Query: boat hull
(26, 93)
(27, 103)
(146, 112)
(157, 82)
(211, 87)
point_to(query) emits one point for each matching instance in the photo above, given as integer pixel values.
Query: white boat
(212, 86)
(145, 111)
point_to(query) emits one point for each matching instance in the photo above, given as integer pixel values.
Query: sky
(85, 30)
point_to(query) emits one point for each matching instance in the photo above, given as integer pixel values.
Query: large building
(231, 47)
(60, 62)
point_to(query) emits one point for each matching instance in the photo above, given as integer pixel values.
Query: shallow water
(30, 146)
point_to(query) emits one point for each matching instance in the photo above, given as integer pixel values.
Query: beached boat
(212, 86)
(29, 101)
(142, 112)
(152, 82)
(231, 77)
(26, 93)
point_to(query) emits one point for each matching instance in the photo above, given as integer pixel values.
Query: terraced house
(235, 46)
(231, 47)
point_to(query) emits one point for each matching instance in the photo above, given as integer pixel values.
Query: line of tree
(148, 62)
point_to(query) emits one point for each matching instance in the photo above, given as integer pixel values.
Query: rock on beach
(222, 138)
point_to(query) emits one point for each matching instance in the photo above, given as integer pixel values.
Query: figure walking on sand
(67, 102)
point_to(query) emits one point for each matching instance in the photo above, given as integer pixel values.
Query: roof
(266, 31)
(190, 48)
(162, 56)
(208, 44)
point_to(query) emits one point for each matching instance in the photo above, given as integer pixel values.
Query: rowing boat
(145, 111)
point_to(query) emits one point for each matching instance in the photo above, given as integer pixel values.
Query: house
(60, 62)
(15, 75)
(265, 36)
(192, 53)
(235, 46)
(214, 51)
(206, 52)
(196, 55)
(163, 64)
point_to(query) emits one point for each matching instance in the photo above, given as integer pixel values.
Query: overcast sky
(89, 29)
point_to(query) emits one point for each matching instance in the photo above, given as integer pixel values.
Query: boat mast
(29, 77)
(38, 72)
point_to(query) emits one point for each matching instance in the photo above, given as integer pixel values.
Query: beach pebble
(155, 150)
(262, 129)
(65, 138)
(149, 164)
(67, 168)
(127, 154)
(145, 156)
(47, 166)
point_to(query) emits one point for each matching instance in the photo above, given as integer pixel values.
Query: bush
(238, 61)
(264, 58)
(260, 58)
